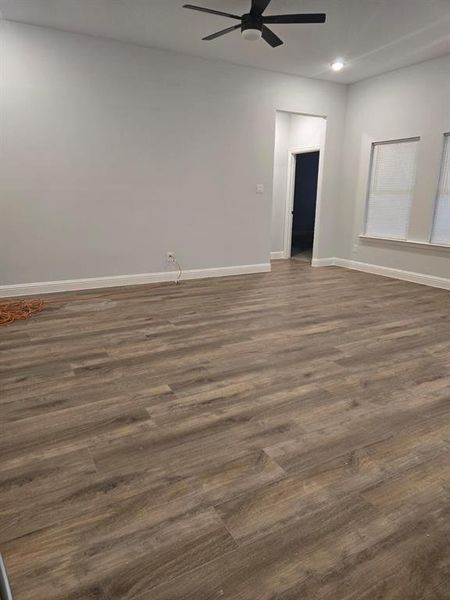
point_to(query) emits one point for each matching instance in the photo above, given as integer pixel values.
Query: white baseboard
(413, 277)
(48, 287)
(322, 262)
(68, 285)
(277, 255)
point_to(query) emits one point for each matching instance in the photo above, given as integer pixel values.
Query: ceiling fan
(253, 25)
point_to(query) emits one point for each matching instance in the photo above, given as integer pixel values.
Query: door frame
(288, 219)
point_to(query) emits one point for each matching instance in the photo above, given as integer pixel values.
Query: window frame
(445, 144)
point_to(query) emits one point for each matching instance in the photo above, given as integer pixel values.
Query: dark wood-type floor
(283, 436)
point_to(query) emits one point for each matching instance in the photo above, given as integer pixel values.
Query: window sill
(384, 240)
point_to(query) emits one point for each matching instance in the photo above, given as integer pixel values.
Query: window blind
(392, 179)
(441, 226)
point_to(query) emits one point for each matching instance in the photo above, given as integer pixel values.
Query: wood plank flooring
(283, 436)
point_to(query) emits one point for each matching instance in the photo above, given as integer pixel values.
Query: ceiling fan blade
(259, 6)
(211, 11)
(269, 36)
(305, 18)
(213, 36)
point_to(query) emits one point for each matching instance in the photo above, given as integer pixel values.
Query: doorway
(296, 134)
(304, 198)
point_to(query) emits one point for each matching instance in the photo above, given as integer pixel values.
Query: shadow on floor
(302, 254)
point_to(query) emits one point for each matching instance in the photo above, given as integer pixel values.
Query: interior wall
(111, 155)
(292, 132)
(410, 102)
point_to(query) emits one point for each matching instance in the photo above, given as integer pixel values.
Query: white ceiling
(374, 36)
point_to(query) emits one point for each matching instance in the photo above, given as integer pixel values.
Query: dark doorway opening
(304, 205)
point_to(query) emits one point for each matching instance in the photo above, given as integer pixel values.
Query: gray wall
(414, 101)
(113, 154)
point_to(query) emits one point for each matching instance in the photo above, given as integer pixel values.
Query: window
(441, 227)
(392, 178)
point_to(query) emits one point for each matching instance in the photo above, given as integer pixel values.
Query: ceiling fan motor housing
(251, 26)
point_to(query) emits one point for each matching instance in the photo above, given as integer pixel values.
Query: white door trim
(293, 152)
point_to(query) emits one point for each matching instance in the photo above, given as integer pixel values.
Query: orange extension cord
(13, 310)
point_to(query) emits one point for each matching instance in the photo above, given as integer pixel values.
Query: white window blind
(392, 179)
(441, 227)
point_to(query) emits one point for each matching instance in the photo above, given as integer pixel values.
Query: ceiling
(373, 36)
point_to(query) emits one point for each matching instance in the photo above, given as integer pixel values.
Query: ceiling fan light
(251, 34)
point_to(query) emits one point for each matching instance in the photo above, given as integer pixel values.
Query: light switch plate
(260, 188)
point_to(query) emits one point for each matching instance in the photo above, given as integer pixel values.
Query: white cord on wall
(180, 271)
(171, 258)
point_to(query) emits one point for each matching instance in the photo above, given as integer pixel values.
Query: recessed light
(338, 64)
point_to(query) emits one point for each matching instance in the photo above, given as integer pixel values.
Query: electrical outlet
(171, 257)
(260, 188)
